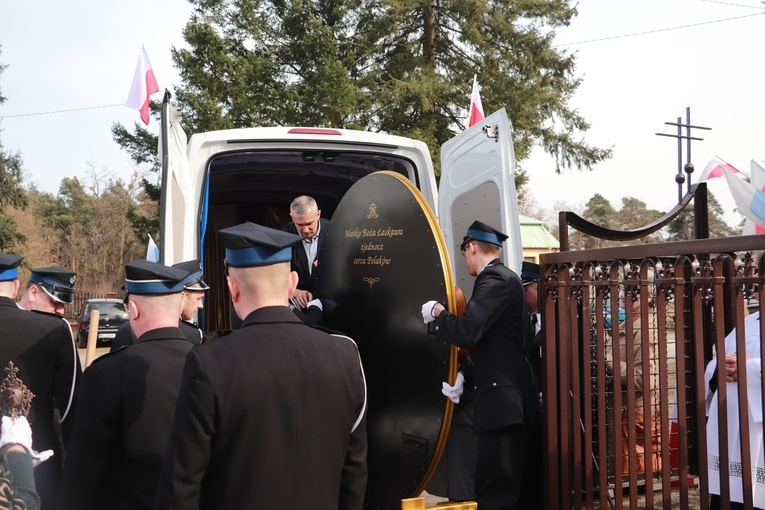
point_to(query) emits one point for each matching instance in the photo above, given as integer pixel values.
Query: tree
(398, 66)
(682, 227)
(12, 194)
(87, 229)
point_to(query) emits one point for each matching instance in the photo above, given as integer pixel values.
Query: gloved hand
(427, 311)
(316, 303)
(454, 392)
(18, 431)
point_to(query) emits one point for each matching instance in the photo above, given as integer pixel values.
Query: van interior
(258, 186)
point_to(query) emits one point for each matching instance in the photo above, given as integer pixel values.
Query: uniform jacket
(125, 335)
(494, 329)
(120, 436)
(42, 347)
(300, 260)
(270, 416)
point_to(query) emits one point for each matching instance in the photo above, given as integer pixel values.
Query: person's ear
(16, 285)
(318, 214)
(293, 282)
(134, 311)
(233, 288)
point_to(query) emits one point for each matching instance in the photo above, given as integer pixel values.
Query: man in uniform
(127, 401)
(49, 290)
(530, 279)
(506, 409)
(272, 415)
(192, 298)
(40, 345)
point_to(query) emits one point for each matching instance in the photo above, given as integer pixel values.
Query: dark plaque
(383, 257)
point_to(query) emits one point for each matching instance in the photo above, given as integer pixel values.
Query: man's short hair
(302, 205)
(485, 247)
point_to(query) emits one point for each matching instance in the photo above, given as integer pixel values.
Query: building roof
(534, 234)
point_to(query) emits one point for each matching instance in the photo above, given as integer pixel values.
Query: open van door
(477, 183)
(177, 221)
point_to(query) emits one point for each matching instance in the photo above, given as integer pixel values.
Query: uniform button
(437, 328)
(494, 384)
(475, 387)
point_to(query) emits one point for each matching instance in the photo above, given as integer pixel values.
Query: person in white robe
(754, 405)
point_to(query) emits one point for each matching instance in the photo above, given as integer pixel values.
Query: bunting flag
(152, 251)
(757, 178)
(715, 169)
(144, 85)
(476, 108)
(750, 201)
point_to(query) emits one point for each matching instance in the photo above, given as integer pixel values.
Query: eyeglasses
(463, 248)
(225, 267)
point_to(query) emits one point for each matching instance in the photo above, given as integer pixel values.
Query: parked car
(113, 315)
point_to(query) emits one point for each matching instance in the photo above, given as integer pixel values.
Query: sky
(641, 64)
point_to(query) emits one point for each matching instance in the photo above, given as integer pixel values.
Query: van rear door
(477, 183)
(177, 222)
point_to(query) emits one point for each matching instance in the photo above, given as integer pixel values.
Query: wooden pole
(90, 352)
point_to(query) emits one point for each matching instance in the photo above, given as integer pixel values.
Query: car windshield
(109, 309)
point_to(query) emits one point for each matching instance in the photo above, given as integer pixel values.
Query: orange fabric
(640, 443)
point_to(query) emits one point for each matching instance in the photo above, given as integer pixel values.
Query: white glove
(316, 303)
(427, 311)
(454, 392)
(18, 431)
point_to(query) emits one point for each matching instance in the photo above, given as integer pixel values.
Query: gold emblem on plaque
(373, 212)
(371, 281)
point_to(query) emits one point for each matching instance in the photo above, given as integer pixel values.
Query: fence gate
(628, 333)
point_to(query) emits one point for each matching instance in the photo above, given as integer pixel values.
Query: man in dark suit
(127, 401)
(506, 409)
(308, 223)
(40, 345)
(192, 296)
(272, 415)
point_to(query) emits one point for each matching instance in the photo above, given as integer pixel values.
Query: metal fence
(629, 333)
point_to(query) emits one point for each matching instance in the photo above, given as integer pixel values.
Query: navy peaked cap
(143, 277)
(480, 231)
(58, 283)
(250, 244)
(194, 280)
(9, 266)
(529, 272)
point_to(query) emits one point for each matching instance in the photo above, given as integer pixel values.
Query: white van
(222, 178)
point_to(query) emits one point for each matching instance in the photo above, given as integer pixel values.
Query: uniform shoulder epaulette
(189, 323)
(327, 330)
(214, 335)
(50, 314)
(109, 354)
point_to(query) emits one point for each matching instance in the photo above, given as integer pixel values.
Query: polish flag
(715, 169)
(757, 178)
(152, 251)
(476, 108)
(144, 85)
(750, 201)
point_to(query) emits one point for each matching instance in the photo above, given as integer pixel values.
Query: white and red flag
(757, 178)
(715, 169)
(144, 85)
(476, 108)
(750, 201)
